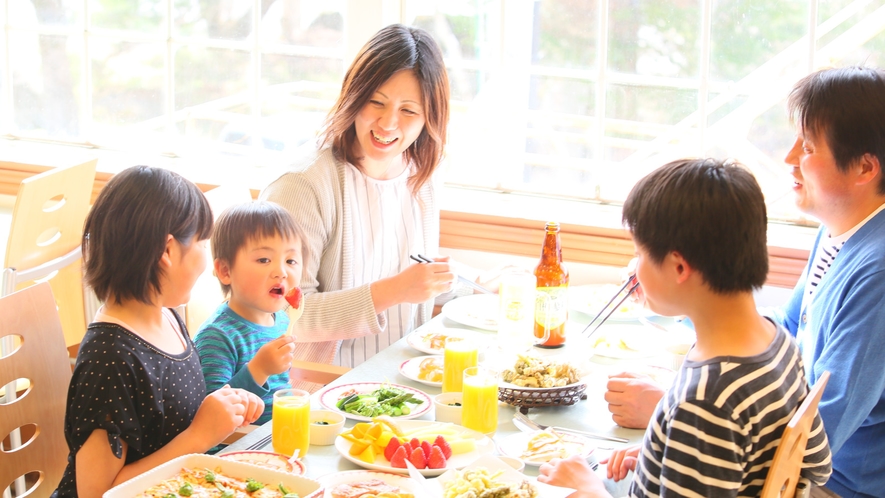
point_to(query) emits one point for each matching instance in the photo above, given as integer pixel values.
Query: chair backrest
(47, 223)
(783, 476)
(40, 362)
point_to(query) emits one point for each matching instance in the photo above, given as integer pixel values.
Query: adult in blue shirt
(837, 310)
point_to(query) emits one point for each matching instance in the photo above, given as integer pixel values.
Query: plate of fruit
(365, 400)
(432, 447)
(424, 369)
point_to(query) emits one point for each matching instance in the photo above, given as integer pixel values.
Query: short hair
(712, 212)
(394, 48)
(251, 221)
(125, 233)
(845, 106)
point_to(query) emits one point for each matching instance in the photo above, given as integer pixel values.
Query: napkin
(492, 464)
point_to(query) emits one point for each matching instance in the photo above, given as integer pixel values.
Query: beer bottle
(551, 305)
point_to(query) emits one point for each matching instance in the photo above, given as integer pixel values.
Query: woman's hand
(574, 472)
(621, 462)
(417, 284)
(273, 358)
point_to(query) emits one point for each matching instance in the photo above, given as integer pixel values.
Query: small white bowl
(516, 463)
(445, 408)
(325, 434)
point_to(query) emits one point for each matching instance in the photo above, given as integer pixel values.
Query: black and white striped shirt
(716, 430)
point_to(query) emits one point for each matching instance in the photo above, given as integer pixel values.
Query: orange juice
(291, 419)
(479, 406)
(459, 354)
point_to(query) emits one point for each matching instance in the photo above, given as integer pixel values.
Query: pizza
(206, 483)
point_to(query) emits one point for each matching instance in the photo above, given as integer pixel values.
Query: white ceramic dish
(517, 464)
(443, 409)
(590, 299)
(267, 459)
(476, 310)
(514, 445)
(411, 369)
(353, 476)
(422, 339)
(306, 488)
(329, 398)
(484, 446)
(325, 434)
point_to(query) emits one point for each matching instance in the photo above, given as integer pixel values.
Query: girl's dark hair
(711, 212)
(125, 233)
(845, 106)
(251, 221)
(394, 48)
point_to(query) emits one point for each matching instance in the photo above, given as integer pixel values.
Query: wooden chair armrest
(318, 373)
(239, 433)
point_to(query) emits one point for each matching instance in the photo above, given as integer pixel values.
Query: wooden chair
(318, 373)
(44, 240)
(783, 476)
(41, 361)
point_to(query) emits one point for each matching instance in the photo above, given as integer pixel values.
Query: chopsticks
(261, 443)
(633, 284)
(470, 283)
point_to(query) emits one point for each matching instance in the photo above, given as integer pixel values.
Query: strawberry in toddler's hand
(296, 301)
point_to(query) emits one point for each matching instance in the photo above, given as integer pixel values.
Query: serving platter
(329, 397)
(484, 446)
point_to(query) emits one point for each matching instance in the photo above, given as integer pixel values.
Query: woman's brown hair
(394, 48)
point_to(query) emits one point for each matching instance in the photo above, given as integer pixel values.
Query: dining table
(589, 415)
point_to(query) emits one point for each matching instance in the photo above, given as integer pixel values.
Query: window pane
(55, 13)
(212, 86)
(127, 82)
(304, 22)
(230, 20)
(46, 82)
(461, 27)
(146, 16)
(566, 33)
(849, 34)
(657, 38)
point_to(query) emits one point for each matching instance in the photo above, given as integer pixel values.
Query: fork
(520, 419)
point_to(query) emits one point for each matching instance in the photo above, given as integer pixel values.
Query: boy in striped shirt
(258, 250)
(699, 227)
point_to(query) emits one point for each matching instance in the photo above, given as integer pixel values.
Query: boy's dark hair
(125, 233)
(249, 221)
(711, 212)
(845, 106)
(394, 48)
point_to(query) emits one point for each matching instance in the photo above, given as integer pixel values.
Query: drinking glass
(291, 421)
(516, 311)
(479, 406)
(459, 354)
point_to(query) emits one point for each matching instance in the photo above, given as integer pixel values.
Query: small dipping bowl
(448, 407)
(325, 426)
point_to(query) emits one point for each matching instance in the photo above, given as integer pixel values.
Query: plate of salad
(365, 400)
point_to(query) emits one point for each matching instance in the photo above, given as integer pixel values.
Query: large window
(573, 98)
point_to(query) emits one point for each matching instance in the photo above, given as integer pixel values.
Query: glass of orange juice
(291, 421)
(459, 354)
(479, 404)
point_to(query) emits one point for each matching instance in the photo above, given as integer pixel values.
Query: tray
(529, 397)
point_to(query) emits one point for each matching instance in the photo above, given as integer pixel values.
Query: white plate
(477, 310)
(353, 476)
(515, 444)
(420, 339)
(625, 341)
(412, 367)
(484, 446)
(590, 299)
(267, 459)
(329, 398)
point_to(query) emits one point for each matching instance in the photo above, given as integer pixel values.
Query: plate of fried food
(432, 339)
(424, 369)
(539, 447)
(364, 484)
(531, 372)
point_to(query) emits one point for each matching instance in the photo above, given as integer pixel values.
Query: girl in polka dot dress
(137, 398)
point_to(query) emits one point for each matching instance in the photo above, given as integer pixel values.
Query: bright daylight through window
(576, 98)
